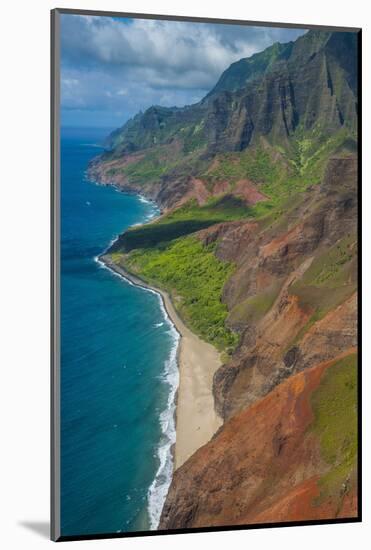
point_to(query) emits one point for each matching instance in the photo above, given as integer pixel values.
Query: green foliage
(310, 149)
(195, 279)
(116, 257)
(330, 279)
(248, 69)
(254, 164)
(147, 169)
(163, 231)
(158, 161)
(272, 176)
(334, 405)
(160, 126)
(217, 209)
(282, 174)
(254, 308)
(191, 272)
(183, 221)
(328, 268)
(193, 137)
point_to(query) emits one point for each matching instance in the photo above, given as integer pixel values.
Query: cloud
(124, 65)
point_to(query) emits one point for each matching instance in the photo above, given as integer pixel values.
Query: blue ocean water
(118, 362)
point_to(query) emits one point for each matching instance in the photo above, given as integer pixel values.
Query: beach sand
(196, 419)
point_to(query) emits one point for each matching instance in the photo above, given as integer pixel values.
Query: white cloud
(127, 65)
(170, 48)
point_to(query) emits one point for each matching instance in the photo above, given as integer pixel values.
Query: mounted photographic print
(204, 274)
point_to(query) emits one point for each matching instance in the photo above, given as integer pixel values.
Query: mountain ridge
(263, 179)
(317, 52)
(239, 73)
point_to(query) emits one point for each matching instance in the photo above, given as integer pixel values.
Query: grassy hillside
(331, 279)
(334, 406)
(195, 279)
(165, 253)
(183, 221)
(258, 124)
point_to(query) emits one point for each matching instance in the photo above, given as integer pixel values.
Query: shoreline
(196, 420)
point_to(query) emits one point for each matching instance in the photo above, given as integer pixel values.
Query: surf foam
(159, 487)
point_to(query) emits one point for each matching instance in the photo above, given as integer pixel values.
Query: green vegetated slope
(306, 89)
(279, 128)
(253, 308)
(157, 126)
(195, 279)
(334, 405)
(331, 279)
(282, 185)
(155, 249)
(245, 70)
(183, 221)
(274, 119)
(156, 162)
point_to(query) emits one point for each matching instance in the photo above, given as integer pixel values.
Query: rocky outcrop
(267, 352)
(286, 116)
(167, 192)
(305, 89)
(239, 74)
(264, 465)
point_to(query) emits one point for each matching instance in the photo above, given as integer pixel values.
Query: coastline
(195, 417)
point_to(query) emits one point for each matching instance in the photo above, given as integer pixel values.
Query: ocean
(118, 362)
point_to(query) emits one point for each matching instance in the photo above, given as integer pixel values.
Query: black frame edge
(359, 282)
(54, 282)
(197, 19)
(195, 530)
(52, 453)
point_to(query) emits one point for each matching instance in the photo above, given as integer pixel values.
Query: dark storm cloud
(119, 66)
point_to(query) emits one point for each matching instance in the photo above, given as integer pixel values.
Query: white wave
(159, 487)
(99, 261)
(112, 242)
(101, 264)
(147, 219)
(92, 145)
(157, 325)
(145, 200)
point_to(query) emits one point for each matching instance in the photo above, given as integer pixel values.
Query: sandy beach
(196, 419)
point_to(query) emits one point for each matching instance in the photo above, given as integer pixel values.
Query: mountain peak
(248, 68)
(308, 86)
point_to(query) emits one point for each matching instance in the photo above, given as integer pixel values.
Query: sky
(111, 68)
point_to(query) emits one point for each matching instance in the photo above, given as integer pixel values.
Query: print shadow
(41, 528)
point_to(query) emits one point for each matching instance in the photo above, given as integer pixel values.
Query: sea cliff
(257, 249)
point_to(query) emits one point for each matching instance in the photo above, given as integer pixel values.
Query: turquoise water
(118, 362)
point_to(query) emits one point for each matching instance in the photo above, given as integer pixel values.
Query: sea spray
(111, 414)
(159, 487)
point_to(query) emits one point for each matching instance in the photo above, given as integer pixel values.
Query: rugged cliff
(292, 294)
(298, 102)
(257, 246)
(288, 457)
